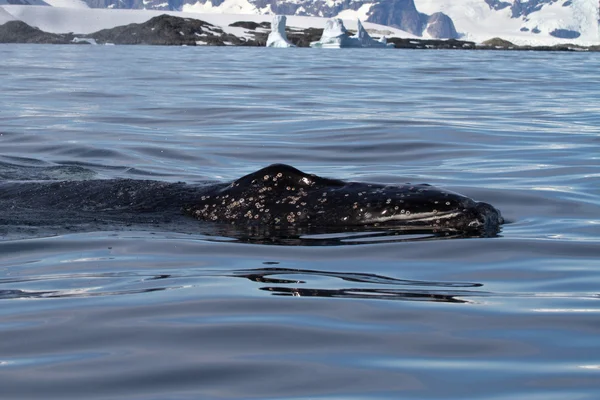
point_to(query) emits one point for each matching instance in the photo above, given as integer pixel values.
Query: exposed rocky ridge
(520, 8)
(168, 30)
(401, 14)
(171, 30)
(20, 32)
(439, 25)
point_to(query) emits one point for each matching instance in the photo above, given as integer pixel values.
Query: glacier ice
(278, 37)
(335, 36)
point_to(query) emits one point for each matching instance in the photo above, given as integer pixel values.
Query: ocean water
(161, 314)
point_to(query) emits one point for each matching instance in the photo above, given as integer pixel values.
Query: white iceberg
(335, 36)
(278, 37)
(366, 40)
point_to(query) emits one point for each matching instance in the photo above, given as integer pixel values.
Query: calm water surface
(161, 314)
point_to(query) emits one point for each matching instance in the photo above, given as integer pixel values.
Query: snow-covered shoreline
(82, 20)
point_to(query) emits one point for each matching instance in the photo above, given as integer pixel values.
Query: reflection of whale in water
(272, 280)
(275, 201)
(364, 285)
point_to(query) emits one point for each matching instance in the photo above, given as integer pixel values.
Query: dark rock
(20, 32)
(522, 8)
(440, 26)
(165, 30)
(565, 34)
(304, 37)
(398, 13)
(497, 4)
(535, 30)
(498, 42)
(524, 29)
(430, 44)
(251, 25)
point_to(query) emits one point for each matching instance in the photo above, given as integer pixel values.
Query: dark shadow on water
(449, 295)
(377, 294)
(337, 236)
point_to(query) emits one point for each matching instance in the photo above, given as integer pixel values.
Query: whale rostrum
(283, 195)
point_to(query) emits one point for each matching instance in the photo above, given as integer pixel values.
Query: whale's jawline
(283, 196)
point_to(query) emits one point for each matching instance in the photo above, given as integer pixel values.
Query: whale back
(284, 196)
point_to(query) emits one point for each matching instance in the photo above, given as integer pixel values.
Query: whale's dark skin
(282, 195)
(278, 197)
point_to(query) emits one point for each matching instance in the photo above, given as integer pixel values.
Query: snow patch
(477, 22)
(67, 3)
(361, 14)
(227, 7)
(5, 16)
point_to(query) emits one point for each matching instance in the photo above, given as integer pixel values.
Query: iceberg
(335, 36)
(278, 37)
(366, 40)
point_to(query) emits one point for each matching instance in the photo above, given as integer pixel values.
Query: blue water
(162, 314)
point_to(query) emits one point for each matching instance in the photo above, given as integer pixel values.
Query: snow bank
(278, 37)
(226, 7)
(478, 22)
(5, 16)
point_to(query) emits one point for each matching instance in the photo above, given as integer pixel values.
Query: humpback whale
(276, 198)
(282, 195)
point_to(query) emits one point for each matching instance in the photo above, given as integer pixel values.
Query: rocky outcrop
(20, 32)
(440, 26)
(565, 34)
(402, 14)
(167, 30)
(498, 43)
(250, 25)
(497, 4)
(522, 8)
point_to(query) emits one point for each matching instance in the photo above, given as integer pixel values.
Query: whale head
(282, 195)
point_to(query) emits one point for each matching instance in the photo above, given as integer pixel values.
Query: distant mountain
(24, 2)
(520, 21)
(401, 14)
